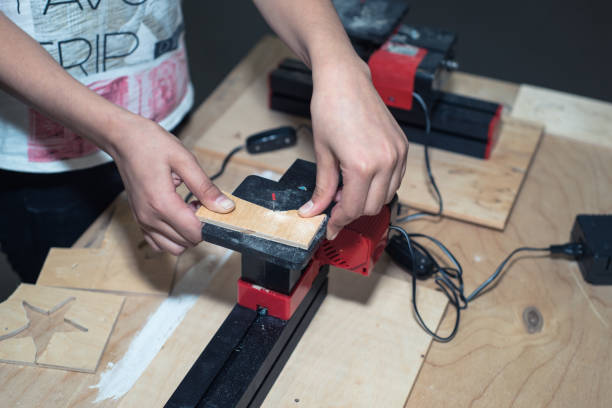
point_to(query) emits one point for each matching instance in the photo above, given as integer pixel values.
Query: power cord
(450, 279)
(266, 141)
(226, 160)
(432, 180)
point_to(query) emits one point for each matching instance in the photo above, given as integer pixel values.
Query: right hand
(152, 164)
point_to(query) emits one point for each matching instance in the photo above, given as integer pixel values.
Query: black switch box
(594, 232)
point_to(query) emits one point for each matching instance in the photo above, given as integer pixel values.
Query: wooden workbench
(493, 361)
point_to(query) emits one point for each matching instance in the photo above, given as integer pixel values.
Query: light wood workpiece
(493, 361)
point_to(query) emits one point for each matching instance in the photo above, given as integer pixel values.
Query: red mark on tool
(273, 197)
(273, 202)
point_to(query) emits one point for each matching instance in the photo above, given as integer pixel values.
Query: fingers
(151, 243)
(171, 225)
(181, 219)
(350, 207)
(398, 173)
(200, 185)
(377, 194)
(327, 184)
(394, 184)
(159, 242)
(369, 186)
(176, 180)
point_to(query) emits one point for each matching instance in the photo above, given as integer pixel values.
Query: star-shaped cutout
(42, 326)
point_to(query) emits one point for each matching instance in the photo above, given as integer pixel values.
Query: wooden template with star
(74, 343)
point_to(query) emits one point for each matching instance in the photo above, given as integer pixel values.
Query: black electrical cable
(226, 160)
(450, 279)
(432, 180)
(228, 157)
(495, 274)
(443, 279)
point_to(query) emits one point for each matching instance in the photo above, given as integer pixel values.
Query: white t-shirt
(131, 52)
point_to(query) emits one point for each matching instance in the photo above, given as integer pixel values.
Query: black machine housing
(594, 232)
(458, 123)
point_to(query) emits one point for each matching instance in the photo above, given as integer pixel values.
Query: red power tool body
(356, 248)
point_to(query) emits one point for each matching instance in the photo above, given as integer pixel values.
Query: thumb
(202, 188)
(327, 185)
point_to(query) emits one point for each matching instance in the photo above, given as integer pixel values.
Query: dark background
(560, 44)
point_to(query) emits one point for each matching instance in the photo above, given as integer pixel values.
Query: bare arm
(151, 161)
(354, 133)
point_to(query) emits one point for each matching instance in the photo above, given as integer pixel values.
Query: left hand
(355, 135)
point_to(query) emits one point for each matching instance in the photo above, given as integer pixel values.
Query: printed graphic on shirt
(51, 141)
(153, 93)
(131, 52)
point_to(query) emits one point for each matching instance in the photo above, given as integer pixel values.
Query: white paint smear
(119, 378)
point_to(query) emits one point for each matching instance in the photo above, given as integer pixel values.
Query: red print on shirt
(168, 85)
(153, 93)
(50, 141)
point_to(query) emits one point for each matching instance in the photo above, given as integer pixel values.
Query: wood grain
(362, 349)
(286, 227)
(488, 89)
(479, 191)
(474, 190)
(494, 361)
(80, 350)
(171, 364)
(124, 262)
(576, 117)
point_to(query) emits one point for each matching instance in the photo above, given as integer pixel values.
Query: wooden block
(474, 190)
(286, 227)
(572, 116)
(123, 264)
(92, 315)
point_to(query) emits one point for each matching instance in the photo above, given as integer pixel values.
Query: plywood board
(572, 116)
(79, 348)
(482, 192)
(474, 190)
(124, 263)
(571, 353)
(385, 314)
(286, 227)
(493, 361)
(363, 348)
(488, 89)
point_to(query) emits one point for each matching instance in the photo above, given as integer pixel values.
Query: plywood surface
(363, 348)
(493, 361)
(576, 117)
(479, 191)
(474, 190)
(488, 89)
(286, 227)
(91, 315)
(123, 263)
(352, 294)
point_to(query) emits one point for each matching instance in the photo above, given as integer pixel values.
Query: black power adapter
(594, 233)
